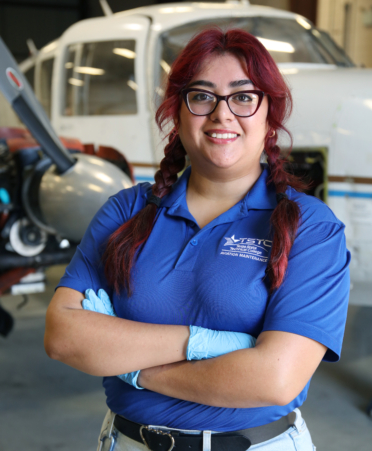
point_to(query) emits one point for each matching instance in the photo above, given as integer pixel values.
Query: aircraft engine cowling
(69, 201)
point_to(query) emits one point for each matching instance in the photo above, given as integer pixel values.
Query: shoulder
(313, 210)
(319, 230)
(118, 209)
(127, 202)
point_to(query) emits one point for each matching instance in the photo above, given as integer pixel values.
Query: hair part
(126, 242)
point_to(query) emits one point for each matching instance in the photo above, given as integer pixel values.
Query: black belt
(166, 439)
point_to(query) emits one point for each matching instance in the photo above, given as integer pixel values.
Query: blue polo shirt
(214, 277)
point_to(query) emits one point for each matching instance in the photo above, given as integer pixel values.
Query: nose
(222, 113)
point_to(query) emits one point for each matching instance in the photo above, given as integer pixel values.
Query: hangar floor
(47, 406)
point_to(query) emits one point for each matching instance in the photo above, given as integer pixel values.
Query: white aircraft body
(102, 80)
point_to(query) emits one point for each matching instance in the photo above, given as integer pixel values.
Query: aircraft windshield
(288, 41)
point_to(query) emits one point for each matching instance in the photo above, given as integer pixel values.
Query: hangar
(60, 72)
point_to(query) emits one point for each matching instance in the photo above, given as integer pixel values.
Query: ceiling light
(277, 46)
(125, 52)
(89, 70)
(132, 85)
(76, 82)
(165, 66)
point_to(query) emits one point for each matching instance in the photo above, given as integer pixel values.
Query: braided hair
(124, 243)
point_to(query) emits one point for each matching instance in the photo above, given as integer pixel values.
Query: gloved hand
(101, 303)
(207, 343)
(131, 379)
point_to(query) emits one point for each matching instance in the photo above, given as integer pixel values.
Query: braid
(285, 217)
(124, 244)
(173, 162)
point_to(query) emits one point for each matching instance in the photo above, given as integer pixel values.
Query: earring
(273, 134)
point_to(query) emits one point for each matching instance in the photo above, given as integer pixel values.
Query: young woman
(229, 246)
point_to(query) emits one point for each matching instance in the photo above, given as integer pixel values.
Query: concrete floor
(47, 406)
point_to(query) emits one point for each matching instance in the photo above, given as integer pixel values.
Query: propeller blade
(21, 97)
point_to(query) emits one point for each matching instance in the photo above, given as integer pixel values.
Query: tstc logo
(231, 241)
(250, 248)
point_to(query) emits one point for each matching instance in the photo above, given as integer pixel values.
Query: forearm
(272, 373)
(236, 380)
(106, 346)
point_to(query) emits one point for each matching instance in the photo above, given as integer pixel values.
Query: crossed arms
(274, 372)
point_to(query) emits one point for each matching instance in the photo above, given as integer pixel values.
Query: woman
(230, 246)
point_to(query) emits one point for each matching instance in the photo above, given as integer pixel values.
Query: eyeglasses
(243, 103)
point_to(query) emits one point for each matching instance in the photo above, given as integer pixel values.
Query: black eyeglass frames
(201, 102)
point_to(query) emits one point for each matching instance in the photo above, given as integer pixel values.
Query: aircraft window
(46, 84)
(100, 80)
(30, 76)
(287, 40)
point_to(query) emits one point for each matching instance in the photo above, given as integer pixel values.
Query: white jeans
(295, 438)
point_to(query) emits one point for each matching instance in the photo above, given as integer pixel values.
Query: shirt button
(194, 242)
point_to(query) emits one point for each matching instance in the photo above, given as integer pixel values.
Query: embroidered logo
(251, 248)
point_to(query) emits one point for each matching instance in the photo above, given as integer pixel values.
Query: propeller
(19, 94)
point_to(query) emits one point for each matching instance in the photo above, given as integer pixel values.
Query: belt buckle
(159, 432)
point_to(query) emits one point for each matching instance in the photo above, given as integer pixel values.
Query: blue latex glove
(101, 303)
(207, 343)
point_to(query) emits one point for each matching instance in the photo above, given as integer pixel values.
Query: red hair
(125, 243)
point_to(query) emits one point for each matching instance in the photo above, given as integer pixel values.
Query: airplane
(102, 80)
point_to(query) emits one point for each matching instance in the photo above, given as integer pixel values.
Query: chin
(238, 167)
(226, 165)
(222, 160)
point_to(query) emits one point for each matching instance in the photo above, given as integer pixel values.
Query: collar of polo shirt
(261, 196)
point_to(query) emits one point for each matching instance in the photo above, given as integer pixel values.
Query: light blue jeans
(296, 438)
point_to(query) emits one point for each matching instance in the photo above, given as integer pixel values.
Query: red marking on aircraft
(13, 78)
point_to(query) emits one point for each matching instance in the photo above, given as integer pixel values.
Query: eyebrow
(209, 84)
(235, 84)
